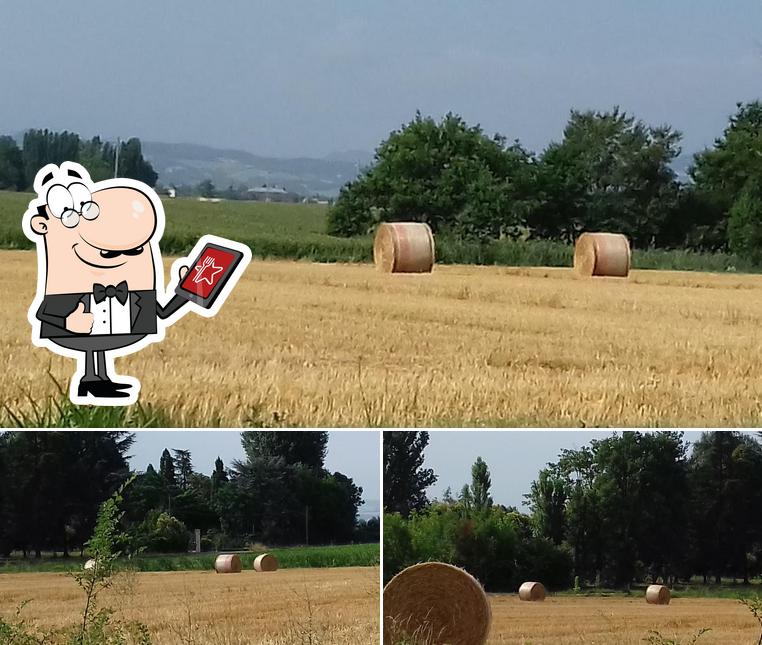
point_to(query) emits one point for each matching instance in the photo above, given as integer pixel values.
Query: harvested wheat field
(338, 606)
(619, 621)
(310, 344)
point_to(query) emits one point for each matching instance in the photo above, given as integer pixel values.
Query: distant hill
(186, 163)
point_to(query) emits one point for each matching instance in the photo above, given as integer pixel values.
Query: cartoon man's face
(94, 236)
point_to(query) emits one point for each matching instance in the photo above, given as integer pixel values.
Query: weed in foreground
(98, 626)
(754, 605)
(656, 638)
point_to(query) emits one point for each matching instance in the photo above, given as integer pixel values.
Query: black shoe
(101, 389)
(117, 386)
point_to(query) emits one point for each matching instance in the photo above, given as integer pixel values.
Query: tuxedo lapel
(134, 307)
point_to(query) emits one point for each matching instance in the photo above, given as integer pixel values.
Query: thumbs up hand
(78, 321)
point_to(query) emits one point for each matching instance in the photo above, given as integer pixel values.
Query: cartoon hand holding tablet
(100, 278)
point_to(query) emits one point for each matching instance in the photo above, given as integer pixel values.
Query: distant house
(269, 194)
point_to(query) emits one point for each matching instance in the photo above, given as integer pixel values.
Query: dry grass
(287, 607)
(618, 621)
(310, 344)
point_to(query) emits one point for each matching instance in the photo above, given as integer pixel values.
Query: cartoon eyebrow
(72, 173)
(48, 178)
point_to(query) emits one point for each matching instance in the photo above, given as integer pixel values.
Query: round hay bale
(436, 603)
(658, 595)
(404, 247)
(602, 254)
(266, 562)
(228, 563)
(90, 564)
(532, 591)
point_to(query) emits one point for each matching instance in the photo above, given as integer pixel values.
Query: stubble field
(301, 343)
(338, 606)
(619, 621)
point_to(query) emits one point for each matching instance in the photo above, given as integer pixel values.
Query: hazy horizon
(298, 79)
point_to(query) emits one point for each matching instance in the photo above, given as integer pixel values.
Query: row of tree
(610, 172)
(634, 507)
(19, 165)
(52, 483)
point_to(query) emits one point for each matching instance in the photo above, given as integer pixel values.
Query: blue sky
(354, 453)
(514, 458)
(297, 77)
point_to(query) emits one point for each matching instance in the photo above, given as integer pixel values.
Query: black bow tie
(120, 292)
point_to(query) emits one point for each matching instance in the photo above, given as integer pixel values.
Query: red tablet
(208, 274)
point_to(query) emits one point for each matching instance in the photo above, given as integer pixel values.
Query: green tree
(725, 471)
(183, 468)
(41, 147)
(169, 535)
(98, 158)
(611, 172)
(132, 164)
(447, 174)
(11, 165)
(43, 513)
(721, 173)
(306, 448)
(405, 478)
(219, 476)
(481, 482)
(745, 222)
(547, 500)
(167, 469)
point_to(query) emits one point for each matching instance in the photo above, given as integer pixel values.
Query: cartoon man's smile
(100, 276)
(103, 253)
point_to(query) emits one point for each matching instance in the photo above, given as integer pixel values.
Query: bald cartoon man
(100, 276)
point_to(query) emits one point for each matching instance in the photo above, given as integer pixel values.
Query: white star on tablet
(207, 271)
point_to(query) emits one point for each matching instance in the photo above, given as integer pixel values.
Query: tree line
(52, 484)
(610, 172)
(632, 508)
(19, 164)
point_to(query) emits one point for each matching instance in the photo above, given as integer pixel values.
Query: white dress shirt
(110, 316)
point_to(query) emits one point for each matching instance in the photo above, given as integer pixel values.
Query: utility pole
(116, 157)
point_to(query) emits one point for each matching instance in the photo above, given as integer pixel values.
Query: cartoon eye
(59, 200)
(70, 218)
(90, 210)
(79, 195)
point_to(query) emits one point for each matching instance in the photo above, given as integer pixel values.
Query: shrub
(398, 547)
(169, 535)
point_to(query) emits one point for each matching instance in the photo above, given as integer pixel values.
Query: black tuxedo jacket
(55, 308)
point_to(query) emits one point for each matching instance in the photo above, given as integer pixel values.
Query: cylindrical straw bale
(438, 603)
(227, 563)
(266, 562)
(658, 595)
(404, 247)
(532, 591)
(602, 254)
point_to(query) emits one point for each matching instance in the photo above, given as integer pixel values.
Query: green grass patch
(302, 557)
(727, 589)
(298, 232)
(57, 411)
